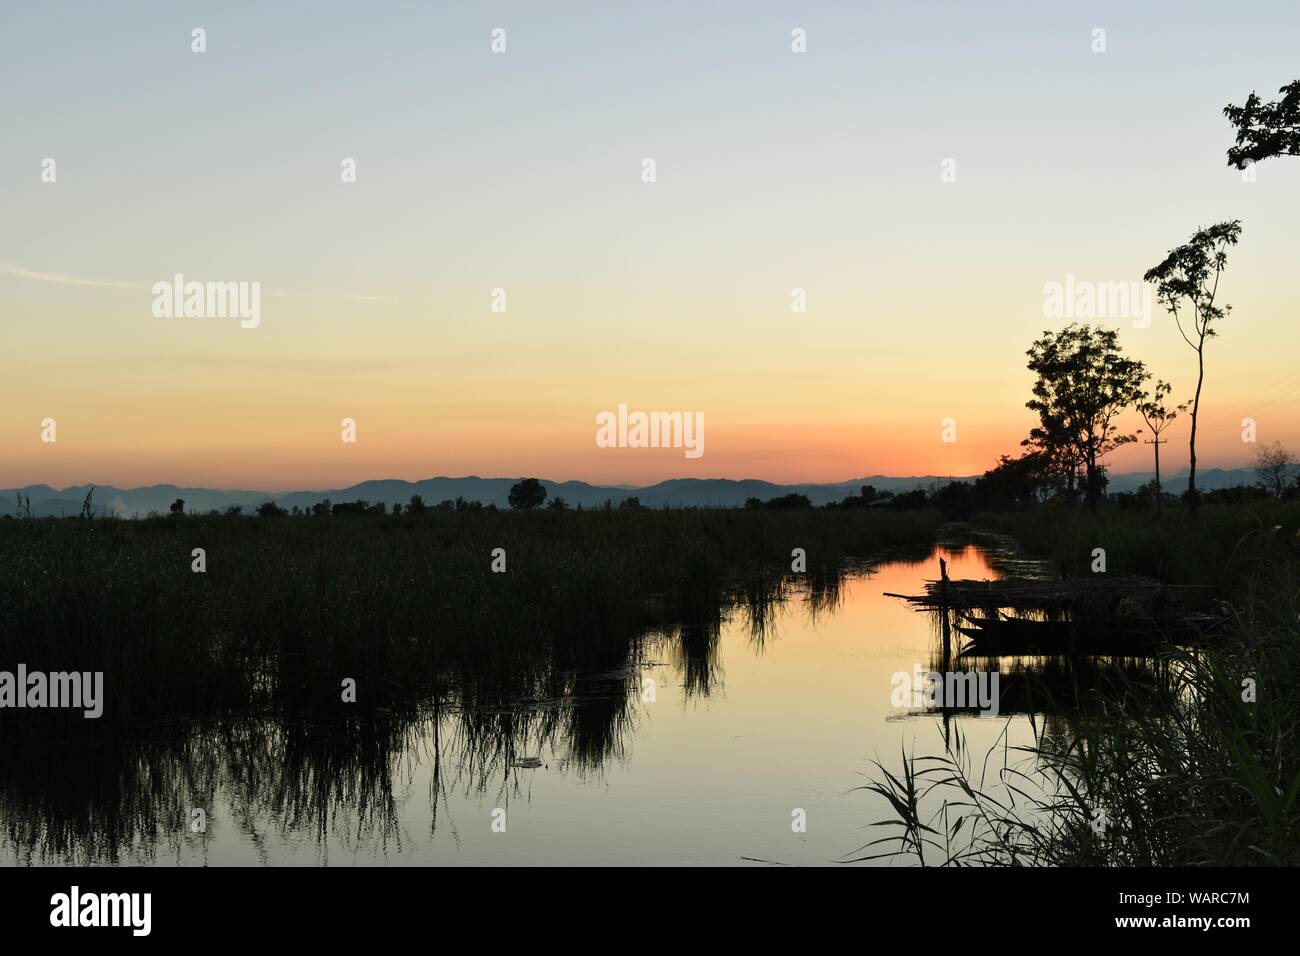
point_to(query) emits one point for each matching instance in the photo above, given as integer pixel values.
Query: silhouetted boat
(1122, 616)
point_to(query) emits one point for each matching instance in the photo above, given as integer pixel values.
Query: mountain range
(677, 492)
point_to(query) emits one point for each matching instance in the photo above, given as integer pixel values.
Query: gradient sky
(522, 171)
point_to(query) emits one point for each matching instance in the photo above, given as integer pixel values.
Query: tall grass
(1221, 545)
(406, 606)
(1201, 767)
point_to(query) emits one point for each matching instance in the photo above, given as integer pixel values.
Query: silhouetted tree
(416, 505)
(868, 497)
(1189, 278)
(1014, 482)
(1265, 130)
(1084, 383)
(1273, 465)
(953, 498)
(786, 502)
(1052, 444)
(906, 500)
(269, 509)
(1143, 494)
(1235, 495)
(557, 504)
(527, 494)
(178, 506)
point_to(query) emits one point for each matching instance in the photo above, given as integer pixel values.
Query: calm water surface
(745, 727)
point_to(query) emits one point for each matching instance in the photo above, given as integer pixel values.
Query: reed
(1201, 767)
(406, 606)
(1223, 545)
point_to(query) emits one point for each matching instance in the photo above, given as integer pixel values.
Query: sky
(830, 171)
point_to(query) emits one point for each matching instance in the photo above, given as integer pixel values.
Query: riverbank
(1201, 767)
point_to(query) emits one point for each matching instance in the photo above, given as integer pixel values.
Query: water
(741, 732)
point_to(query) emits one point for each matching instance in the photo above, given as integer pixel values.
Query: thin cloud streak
(59, 279)
(21, 272)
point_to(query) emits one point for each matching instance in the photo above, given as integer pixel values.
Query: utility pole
(1157, 441)
(1157, 418)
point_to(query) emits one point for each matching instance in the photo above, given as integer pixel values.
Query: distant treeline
(525, 495)
(415, 506)
(991, 492)
(1005, 489)
(1015, 484)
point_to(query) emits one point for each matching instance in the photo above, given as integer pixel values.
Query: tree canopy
(1084, 382)
(1265, 130)
(527, 494)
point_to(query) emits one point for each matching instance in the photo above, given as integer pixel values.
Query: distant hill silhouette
(677, 492)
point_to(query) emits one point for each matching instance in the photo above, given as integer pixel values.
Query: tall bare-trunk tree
(1187, 285)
